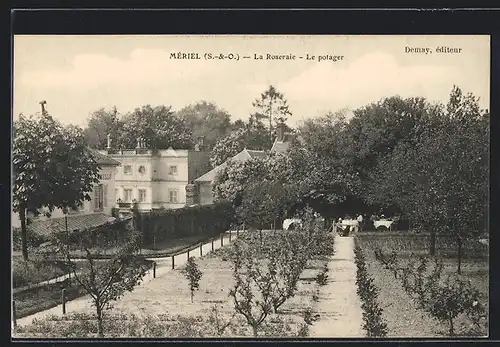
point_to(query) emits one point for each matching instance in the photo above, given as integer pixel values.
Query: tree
(52, 168)
(101, 123)
(440, 178)
(158, 126)
(206, 120)
(273, 106)
(193, 274)
(227, 147)
(105, 281)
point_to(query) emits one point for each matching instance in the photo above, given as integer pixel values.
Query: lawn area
(403, 316)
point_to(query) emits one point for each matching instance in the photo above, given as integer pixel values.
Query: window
(172, 170)
(127, 169)
(172, 196)
(128, 195)
(104, 195)
(106, 176)
(142, 195)
(98, 197)
(142, 170)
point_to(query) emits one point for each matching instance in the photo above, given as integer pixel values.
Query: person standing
(360, 222)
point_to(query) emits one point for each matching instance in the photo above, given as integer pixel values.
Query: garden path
(340, 313)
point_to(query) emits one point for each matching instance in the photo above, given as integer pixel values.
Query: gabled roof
(102, 159)
(244, 155)
(75, 222)
(282, 146)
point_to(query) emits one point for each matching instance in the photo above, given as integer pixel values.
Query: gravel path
(339, 306)
(164, 265)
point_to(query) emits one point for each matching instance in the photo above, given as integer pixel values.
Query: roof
(282, 146)
(75, 222)
(102, 159)
(255, 154)
(241, 156)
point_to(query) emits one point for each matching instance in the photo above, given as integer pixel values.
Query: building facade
(155, 178)
(102, 195)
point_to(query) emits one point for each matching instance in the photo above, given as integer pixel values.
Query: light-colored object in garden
(383, 223)
(291, 221)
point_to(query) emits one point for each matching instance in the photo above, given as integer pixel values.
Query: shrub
(373, 321)
(206, 220)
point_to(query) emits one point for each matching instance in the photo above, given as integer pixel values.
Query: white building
(156, 178)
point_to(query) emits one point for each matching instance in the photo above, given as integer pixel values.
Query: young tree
(273, 106)
(52, 167)
(193, 274)
(254, 305)
(105, 281)
(206, 120)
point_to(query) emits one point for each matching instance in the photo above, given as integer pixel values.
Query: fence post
(14, 313)
(154, 269)
(230, 235)
(212, 243)
(173, 262)
(201, 249)
(188, 254)
(63, 299)
(221, 240)
(238, 231)
(243, 226)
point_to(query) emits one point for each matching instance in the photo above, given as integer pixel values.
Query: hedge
(209, 220)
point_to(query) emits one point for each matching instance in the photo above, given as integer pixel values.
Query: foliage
(100, 124)
(439, 179)
(444, 298)
(253, 305)
(193, 275)
(52, 166)
(206, 121)
(227, 147)
(273, 106)
(33, 271)
(106, 281)
(207, 220)
(373, 322)
(158, 126)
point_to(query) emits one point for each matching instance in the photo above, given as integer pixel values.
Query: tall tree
(101, 123)
(273, 106)
(52, 165)
(440, 179)
(206, 120)
(227, 147)
(158, 126)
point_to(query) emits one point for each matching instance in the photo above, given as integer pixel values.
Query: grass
(404, 318)
(43, 298)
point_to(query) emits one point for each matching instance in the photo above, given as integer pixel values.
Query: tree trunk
(432, 250)
(100, 330)
(450, 320)
(192, 296)
(24, 236)
(459, 255)
(255, 332)
(260, 235)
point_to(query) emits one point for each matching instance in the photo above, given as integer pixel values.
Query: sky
(77, 75)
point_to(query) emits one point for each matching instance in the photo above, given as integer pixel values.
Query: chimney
(280, 132)
(109, 141)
